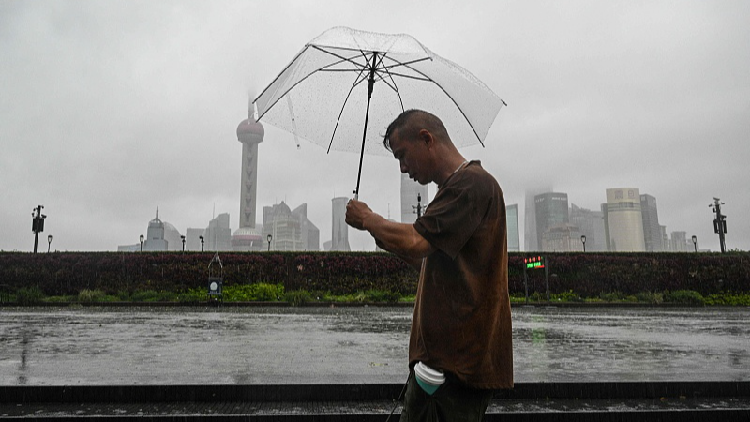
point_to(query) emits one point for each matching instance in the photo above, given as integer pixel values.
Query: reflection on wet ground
(97, 346)
(705, 344)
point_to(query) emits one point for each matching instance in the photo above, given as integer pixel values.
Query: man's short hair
(410, 122)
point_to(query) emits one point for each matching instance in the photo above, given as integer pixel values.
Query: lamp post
(37, 224)
(182, 236)
(583, 241)
(201, 237)
(695, 242)
(49, 243)
(268, 238)
(141, 243)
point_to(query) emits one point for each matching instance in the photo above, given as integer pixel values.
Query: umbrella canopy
(345, 86)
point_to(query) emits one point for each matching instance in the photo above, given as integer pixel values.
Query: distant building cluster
(627, 222)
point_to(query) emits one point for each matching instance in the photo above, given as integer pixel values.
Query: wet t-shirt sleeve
(453, 216)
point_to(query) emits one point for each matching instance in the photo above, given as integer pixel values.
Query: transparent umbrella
(345, 86)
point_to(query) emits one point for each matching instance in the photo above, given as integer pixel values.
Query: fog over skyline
(110, 109)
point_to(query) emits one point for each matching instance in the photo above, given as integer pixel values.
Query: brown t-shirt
(461, 319)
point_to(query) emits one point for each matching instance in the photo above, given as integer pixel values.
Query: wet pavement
(143, 346)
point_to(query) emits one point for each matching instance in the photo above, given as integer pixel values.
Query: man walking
(460, 349)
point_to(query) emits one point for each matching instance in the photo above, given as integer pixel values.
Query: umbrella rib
(322, 69)
(394, 87)
(427, 78)
(279, 75)
(399, 64)
(347, 59)
(357, 81)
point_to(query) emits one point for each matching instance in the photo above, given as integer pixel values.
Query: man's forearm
(400, 238)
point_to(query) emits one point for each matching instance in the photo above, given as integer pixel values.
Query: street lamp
(141, 243)
(49, 243)
(182, 236)
(201, 237)
(583, 240)
(268, 238)
(695, 242)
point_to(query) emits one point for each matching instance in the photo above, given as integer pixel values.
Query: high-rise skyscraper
(289, 230)
(530, 241)
(591, 224)
(511, 219)
(664, 238)
(410, 190)
(551, 210)
(309, 233)
(155, 236)
(218, 234)
(623, 220)
(651, 230)
(339, 228)
(679, 242)
(562, 238)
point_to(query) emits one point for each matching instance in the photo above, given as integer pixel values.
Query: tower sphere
(249, 127)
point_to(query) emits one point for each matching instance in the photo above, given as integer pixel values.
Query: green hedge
(585, 275)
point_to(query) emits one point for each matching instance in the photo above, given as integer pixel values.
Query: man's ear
(426, 137)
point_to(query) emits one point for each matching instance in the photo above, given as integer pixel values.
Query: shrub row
(586, 275)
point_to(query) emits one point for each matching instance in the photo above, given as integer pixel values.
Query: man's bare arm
(399, 238)
(415, 263)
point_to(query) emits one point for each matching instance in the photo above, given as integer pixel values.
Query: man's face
(412, 157)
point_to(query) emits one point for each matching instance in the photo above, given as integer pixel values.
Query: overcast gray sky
(110, 109)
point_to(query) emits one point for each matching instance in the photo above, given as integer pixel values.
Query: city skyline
(559, 226)
(110, 109)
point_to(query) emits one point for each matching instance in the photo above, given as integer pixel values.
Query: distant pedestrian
(460, 349)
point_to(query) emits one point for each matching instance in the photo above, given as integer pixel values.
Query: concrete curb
(358, 392)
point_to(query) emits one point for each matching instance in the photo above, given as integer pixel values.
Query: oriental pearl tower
(250, 134)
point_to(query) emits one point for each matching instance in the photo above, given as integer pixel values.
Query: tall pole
(720, 223)
(37, 225)
(418, 207)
